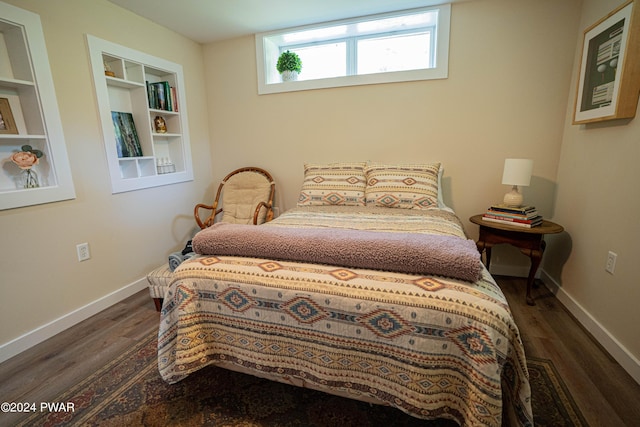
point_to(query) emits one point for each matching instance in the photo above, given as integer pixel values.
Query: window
(401, 46)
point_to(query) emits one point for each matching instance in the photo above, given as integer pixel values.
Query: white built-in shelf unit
(166, 156)
(27, 86)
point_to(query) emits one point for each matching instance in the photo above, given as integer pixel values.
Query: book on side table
(521, 216)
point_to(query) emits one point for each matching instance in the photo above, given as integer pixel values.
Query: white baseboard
(618, 351)
(44, 332)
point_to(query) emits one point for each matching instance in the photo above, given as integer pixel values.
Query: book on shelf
(161, 96)
(174, 99)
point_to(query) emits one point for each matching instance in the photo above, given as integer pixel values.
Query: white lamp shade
(517, 172)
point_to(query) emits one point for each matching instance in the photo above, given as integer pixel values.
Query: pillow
(403, 186)
(335, 184)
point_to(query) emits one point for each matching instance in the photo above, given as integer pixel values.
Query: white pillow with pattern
(412, 186)
(333, 184)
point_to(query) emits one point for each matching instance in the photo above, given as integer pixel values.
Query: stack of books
(162, 96)
(523, 216)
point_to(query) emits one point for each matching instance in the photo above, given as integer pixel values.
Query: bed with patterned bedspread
(433, 346)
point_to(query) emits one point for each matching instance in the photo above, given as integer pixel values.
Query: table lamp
(516, 172)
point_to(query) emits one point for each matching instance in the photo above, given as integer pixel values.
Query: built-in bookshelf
(29, 114)
(128, 84)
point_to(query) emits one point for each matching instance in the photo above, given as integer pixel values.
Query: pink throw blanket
(424, 254)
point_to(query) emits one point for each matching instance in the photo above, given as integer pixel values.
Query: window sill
(366, 79)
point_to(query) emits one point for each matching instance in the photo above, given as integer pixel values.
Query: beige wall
(506, 96)
(129, 233)
(599, 206)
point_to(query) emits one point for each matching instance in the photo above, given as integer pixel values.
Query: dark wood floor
(605, 393)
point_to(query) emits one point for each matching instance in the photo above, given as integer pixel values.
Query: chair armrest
(269, 209)
(208, 222)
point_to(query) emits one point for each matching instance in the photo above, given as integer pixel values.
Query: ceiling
(212, 20)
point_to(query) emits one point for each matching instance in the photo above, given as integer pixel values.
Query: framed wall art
(127, 141)
(7, 124)
(609, 80)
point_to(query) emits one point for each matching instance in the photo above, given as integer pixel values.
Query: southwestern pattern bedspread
(432, 346)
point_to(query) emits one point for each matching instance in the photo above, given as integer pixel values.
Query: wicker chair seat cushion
(242, 193)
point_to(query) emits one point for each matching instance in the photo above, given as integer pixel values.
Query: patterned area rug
(129, 391)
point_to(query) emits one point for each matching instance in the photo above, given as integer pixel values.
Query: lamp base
(513, 198)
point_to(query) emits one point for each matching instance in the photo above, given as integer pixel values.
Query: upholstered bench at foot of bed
(159, 280)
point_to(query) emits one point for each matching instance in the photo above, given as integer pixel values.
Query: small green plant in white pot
(289, 65)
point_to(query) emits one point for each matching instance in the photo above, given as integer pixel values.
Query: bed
(429, 332)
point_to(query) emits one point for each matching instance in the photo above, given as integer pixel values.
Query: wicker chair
(245, 196)
(247, 199)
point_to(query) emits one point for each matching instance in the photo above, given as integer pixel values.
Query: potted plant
(289, 65)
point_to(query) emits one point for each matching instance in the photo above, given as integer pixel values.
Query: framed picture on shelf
(127, 142)
(609, 80)
(7, 124)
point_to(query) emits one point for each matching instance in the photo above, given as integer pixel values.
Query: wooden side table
(530, 241)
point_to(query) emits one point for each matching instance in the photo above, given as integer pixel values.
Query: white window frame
(267, 54)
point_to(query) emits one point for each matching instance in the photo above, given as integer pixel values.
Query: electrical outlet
(611, 262)
(83, 251)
